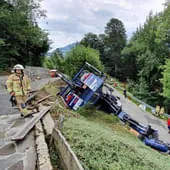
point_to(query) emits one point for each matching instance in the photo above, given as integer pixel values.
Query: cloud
(68, 20)
(61, 39)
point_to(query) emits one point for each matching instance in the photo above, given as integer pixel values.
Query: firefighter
(18, 85)
(157, 110)
(162, 111)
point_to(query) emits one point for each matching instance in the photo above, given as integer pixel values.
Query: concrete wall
(43, 157)
(68, 159)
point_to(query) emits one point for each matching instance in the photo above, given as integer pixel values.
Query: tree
(90, 40)
(149, 55)
(56, 61)
(76, 57)
(94, 41)
(166, 79)
(115, 41)
(23, 41)
(166, 85)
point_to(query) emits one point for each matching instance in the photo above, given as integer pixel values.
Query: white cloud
(62, 39)
(68, 20)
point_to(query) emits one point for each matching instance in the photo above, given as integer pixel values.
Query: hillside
(101, 142)
(101, 147)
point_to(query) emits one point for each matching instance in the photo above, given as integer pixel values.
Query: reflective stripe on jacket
(19, 87)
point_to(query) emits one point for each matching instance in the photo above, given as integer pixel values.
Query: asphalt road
(144, 118)
(5, 105)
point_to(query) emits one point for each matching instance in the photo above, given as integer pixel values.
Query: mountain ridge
(64, 49)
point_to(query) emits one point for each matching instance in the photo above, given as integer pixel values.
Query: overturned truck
(88, 86)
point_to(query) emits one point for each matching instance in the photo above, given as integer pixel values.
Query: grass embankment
(102, 143)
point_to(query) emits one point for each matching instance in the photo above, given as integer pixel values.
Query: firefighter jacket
(20, 85)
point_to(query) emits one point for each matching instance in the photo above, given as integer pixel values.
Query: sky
(68, 21)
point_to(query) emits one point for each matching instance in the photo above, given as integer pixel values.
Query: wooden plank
(29, 125)
(33, 91)
(44, 98)
(32, 97)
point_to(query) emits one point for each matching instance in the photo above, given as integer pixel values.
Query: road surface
(143, 117)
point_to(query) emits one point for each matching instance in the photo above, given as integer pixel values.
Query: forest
(21, 40)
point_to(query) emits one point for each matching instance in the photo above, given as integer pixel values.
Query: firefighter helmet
(18, 67)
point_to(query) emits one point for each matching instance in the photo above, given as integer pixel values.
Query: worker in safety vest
(18, 85)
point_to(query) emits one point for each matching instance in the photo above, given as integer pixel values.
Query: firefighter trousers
(21, 103)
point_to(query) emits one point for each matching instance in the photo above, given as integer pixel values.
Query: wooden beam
(44, 98)
(29, 125)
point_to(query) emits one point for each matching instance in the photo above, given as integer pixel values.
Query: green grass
(101, 143)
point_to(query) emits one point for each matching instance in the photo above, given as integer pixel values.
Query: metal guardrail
(143, 103)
